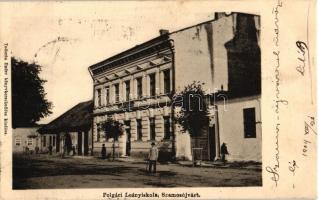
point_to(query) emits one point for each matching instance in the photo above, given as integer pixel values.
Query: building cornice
(140, 51)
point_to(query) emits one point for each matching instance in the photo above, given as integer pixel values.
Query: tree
(113, 129)
(29, 103)
(193, 114)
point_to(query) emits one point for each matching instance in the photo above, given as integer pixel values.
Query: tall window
(167, 127)
(50, 140)
(44, 141)
(127, 85)
(249, 123)
(166, 77)
(116, 92)
(99, 130)
(152, 129)
(99, 98)
(54, 141)
(139, 87)
(152, 80)
(107, 95)
(139, 127)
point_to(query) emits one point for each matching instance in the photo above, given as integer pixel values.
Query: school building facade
(134, 87)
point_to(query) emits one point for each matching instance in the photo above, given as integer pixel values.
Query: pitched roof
(78, 118)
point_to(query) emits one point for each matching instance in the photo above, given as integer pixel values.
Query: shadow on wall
(244, 58)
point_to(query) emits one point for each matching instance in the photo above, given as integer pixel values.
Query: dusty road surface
(44, 171)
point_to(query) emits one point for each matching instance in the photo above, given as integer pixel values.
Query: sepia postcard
(167, 100)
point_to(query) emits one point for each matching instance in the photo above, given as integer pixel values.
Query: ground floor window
(249, 123)
(44, 141)
(30, 141)
(99, 130)
(54, 140)
(139, 127)
(152, 129)
(17, 141)
(167, 127)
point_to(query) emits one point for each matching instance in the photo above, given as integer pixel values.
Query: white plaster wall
(192, 57)
(223, 31)
(200, 49)
(183, 144)
(231, 127)
(23, 134)
(74, 137)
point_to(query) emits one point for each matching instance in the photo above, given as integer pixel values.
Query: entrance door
(85, 143)
(79, 143)
(57, 142)
(212, 142)
(128, 135)
(68, 142)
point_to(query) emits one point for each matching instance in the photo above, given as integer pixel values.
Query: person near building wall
(153, 157)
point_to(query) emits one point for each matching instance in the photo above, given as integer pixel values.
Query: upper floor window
(127, 85)
(99, 98)
(166, 80)
(116, 92)
(107, 95)
(249, 123)
(152, 80)
(152, 129)
(139, 87)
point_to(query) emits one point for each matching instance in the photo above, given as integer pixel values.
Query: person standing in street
(153, 157)
(224, 152)
(103, 153)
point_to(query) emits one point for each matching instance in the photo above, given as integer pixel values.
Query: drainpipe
(173, 93)
(92, 139)
(217, 134)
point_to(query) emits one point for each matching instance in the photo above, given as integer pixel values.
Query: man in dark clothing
(224, 152)
(103, 152)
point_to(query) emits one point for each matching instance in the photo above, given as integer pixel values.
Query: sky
(66, 38)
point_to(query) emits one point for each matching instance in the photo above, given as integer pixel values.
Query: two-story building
(134, 88)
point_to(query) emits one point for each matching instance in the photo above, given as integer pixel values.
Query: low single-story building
(25, 138)
(71, 130)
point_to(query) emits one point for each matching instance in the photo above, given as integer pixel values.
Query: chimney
(163, 31)
(219, 15)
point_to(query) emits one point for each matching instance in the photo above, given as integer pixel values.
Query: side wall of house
(231, 127)
(200, 54)
(20, 139)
